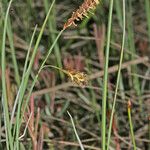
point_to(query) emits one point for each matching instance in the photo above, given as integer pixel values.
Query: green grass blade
(118, 11)
(118, 76)
(36, 77)
(9, 140)
(29, 50)
(24, 70)
(39, 38)
(75, 131)
(14, 60)
(104, 97)
(19, 119)
(131, 126)
(52, 27)
(136, 83)
(33, 84)
(26, 77)
(10, 38)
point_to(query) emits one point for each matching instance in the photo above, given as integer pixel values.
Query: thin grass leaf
(131, 42)
(26, 77)
(75, 131)
(105, 81)
(24, 71)
(118, 76)
(119, 11)
(52, 27)
(13, 53)
(9, 141)
(36, 77)
(10, 38)
(131, 125)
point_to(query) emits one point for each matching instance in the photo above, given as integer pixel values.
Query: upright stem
(104, 98)
(118, 77)
(131, 126)
(36, 78)
(9, 141)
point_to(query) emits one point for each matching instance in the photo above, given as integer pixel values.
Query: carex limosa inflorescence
(80, 13)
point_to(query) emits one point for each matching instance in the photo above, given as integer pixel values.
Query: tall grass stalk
(131, 126)
(52, 27)
(105, 86)
(23, 85)
(131, 43)
(119, 11)
(40, 69)
(31, 88)
(118, 76)
(10, 39)
(9, 141)
(24, 71)
(14, 60)
(75, 131)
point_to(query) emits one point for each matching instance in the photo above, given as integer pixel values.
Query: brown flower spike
(75, 76)
(79, 78)
(81, 12)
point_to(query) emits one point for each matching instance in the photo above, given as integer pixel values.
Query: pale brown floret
(76, 77)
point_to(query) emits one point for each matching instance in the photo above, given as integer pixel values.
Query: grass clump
(41, 108)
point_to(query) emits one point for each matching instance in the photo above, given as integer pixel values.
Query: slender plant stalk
(24, 71)
(104, 98)
(31, 89)
(55, 67)
(35, 80)
(75, 131)
(52, 27)
(14, 60)
(26, 77)
(131, 126)
(9, 141)
(118, 76)
(119, 11)
(29, 50)
(136, 83)
(10, 38)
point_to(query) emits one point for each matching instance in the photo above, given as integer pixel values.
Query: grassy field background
(79, 87)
